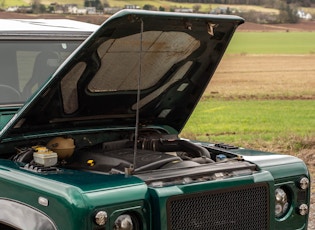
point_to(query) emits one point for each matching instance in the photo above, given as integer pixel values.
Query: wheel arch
(22, 216)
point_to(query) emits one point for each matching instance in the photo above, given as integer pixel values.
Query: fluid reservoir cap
(41, 149)
(64, 147)
(221, 158)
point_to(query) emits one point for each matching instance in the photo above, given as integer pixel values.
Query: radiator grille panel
(236, 208)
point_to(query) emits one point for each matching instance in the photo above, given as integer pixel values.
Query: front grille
(241, 208)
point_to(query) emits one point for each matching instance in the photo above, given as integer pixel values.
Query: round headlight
(101, 218)
(281, 204)
(303, 209)
(304, 183)
(123, 222)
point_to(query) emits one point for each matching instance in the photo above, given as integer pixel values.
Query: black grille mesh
(236, 208)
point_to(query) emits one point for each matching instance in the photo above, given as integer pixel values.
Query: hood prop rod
(135, 147)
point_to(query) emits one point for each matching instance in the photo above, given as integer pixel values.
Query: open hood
(156, 63)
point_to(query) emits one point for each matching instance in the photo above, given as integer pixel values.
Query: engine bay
(151, 158)
(154, 154)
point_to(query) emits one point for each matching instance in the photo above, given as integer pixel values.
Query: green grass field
(272, 43)
(249, 121)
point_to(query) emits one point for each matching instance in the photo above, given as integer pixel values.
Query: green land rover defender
(93, 142)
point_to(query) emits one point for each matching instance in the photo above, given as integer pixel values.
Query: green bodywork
(75, 196)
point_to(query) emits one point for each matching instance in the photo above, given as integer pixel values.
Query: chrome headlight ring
(281, 202)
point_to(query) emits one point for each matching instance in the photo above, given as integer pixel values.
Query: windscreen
(26, 65)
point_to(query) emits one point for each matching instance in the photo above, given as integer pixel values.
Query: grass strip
(272, 43)
(251, 121)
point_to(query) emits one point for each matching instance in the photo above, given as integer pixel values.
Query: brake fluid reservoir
(44, 156)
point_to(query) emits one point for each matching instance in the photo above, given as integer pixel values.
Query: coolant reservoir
(64, 147)
(44, 156)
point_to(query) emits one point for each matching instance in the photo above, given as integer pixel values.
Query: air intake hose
(164, 145)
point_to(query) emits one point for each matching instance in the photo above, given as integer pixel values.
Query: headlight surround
(126, 222)
(281, 202)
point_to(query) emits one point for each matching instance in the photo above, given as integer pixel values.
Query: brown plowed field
(252, 76)
(265, 77)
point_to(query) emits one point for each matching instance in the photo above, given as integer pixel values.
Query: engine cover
(118, 160)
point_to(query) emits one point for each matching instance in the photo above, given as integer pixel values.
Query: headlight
(304, 183)
(124, 222)
(303, 209)
(101, 218)
(281, 204)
